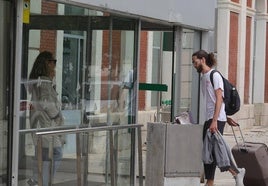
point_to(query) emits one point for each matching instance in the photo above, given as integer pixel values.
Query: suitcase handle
(232, 123)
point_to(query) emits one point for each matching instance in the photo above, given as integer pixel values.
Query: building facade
(241, 52)
(121, 63)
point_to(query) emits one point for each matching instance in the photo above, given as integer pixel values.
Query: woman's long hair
(40, 67)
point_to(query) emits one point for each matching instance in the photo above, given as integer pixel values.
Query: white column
(223, 28)
(259, 62)
(148, 94)
(241, 50)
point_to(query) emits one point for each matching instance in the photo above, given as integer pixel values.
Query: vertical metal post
(15, 81)
(132, 156)
(40, 160)
(159, 77)
(116, 155)
(85, 157)
(78, 160)
(176, 80)
(110, 69)
(51, 161)
(140, 157)
(109, 95)
(86, 79)
(112, 163)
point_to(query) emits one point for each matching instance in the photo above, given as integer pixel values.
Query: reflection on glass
(189, 80)
(72, 71)
(45, 113)
(95, 85)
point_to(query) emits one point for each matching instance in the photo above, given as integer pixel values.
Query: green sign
(153, 87)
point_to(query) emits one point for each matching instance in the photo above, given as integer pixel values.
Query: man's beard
(199, 69)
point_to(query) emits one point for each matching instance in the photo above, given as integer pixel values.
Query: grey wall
(194, 13)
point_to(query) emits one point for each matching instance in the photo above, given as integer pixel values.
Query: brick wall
(116, 45)
(233, 47)
(247, 60)
(143, 67)
(49, 8)
(48, 40)
(235, 1)
(48, 37)
(249, 3)
(116, 49)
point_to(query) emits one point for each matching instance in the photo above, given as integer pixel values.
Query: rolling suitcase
(254, 158)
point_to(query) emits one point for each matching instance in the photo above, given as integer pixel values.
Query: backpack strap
(211, 76)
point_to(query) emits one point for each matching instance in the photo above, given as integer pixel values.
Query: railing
(69, 130)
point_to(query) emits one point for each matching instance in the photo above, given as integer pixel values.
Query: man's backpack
(231, 96)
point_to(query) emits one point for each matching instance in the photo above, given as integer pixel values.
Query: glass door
(92, 83)
(112, 83)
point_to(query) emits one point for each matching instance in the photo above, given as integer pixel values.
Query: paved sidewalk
(253, 134)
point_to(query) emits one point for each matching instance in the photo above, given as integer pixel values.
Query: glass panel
(156, 61)
(167, 53)
(87, 80)
(42, 92)
(111, 91)
(189, 78)
(72, 168)
(72, 71)
(162, 51)
(110, 77)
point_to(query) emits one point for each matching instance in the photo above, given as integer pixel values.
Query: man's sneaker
(240, 177)
(32, 182)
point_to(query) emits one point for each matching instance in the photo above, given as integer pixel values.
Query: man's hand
(231, 122)
(213, 127)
